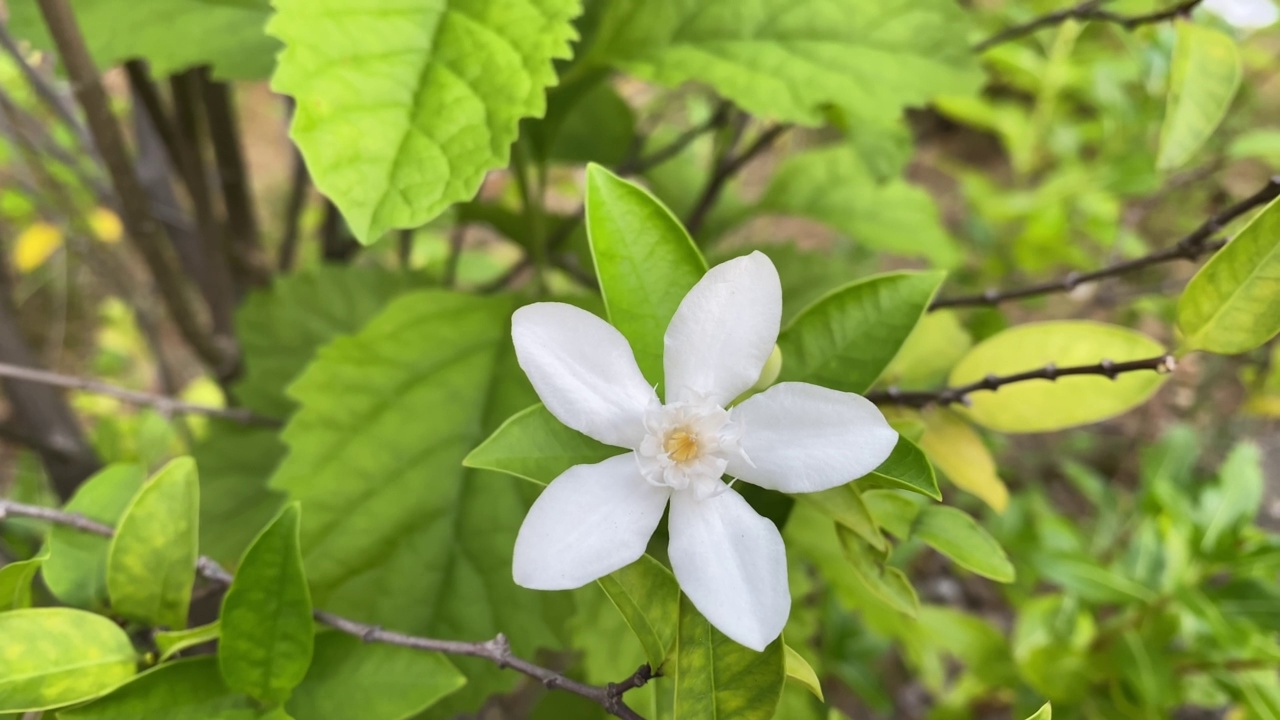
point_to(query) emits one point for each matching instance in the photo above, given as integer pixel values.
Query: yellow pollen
(681, 445)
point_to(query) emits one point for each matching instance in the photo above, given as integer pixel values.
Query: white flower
(793, 437)
(1245, 14)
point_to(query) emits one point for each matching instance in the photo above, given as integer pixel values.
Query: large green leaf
(1043, 405)
(786, 60)
(235, 503)
(171, 35)
(716, 677)
(957, 535)
(906, 468)
(848, 337)
(1203, 78)
(402, 107)
(833, 186)
(181, 690)
(645, 260)
(534, 445)
(648, 597)
(76, 569)
(57, 656)
(349, 679)
(887, 584)
(267, 632)
(15, 583)
(398, 533)
(1233, 304)
(151, 565)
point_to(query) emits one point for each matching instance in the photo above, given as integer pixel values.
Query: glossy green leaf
(893, 511)
(716, 677)
(957, 535)
(267, 630)
(188, 689)
(15, 583)
(799, 670)
(644, 259)
(171, 35)
(786, 60)
(397, 532)
(534, 445)
(402, 107)
(372, 681)
(906, 468)
(52, 657)
(1232, 305)
(1203, 78)
(1237, 496)
(76, 569)
(833, 186)
(887, 584)
(172, 642)
(844, 505)
(151, 565)
(1044, 405)
(646, 594)
(1044, 713)
(847, 338)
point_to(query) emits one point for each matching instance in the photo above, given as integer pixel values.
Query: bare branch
(1198, 243)
(299, 182)
(729, 166)
(960, 394)
(497, 650)
(1089, 10)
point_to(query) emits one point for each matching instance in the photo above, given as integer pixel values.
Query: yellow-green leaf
(957, 535)
(76, 571)
(35, 245)
(1045, 405)
(50, 657)
(646, 594)
(188, 689)
(1203, 79)
(15, 583)
(717, 678)
(844, 505)
(172, 642)
(1233, 304)
(1044, 713)
(959, 452)
(799, 670)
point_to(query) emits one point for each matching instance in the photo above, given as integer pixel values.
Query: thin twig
(725, 169)
(162, 403)
(638, 164)
(457, 239)
(299, 181)
(1198, 243)
(960, 394)
(54, 100)
(244, 242)
(497, 650)
(1089, 10)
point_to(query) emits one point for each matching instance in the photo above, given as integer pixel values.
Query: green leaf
(716, 677)
(887, 584)
(799, 670)
(1232, 305)
(936, 344)
(786, 60)
(172, 642)
(76, 569)
(1083, 576)
(959, 452)
(586, 121)
(893, 511)
(1236, 498)
(1203, 78)
(1044, 405)
(848, 337)
(171, 35)
(235, 503)
(267, 630)
(534, 445)
(372, 681)
(957, 535)
(398, 533)
(58, 656)
(15, 583)
(403, 107)
(1044, 713)
(833, 186)
(906, 468)
(188, 689)
(844, 505)
(151, 565)
(648, 597)
(645, 260)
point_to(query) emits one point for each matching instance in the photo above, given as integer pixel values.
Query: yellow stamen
(681, 445)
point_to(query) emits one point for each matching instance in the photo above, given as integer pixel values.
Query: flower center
(688, 445)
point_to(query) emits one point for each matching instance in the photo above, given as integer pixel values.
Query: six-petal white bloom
(793, 437)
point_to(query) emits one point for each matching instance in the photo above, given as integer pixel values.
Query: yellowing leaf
(1203, 78)
(106, 225)
(959, 452)
(35, 244)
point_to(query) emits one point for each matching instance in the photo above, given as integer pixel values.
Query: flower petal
(583, 371)
(722, 333)
(731, 564)
(800, 438)
(590, 521)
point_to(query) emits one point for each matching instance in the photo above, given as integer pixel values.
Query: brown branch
(1089, 10)
(43, 89)
(497, 650)
(960, 394)
(162, 403)
(1198, 243)
(244, 240)
(638, 164)
(143, 229)
(299, 182)
(728, 166)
